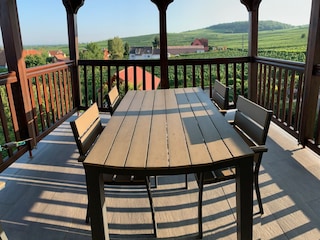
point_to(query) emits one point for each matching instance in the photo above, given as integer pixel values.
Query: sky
(44, 22)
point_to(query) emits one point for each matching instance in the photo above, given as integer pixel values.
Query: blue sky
(44, 21)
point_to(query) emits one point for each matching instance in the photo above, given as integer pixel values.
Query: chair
(252, 123)
(113, 99)
(220, 96)
(86, 130)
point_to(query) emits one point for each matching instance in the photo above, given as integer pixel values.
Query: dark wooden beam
(13, 48)
(162, 7)
(253, 9)
(312, 81)
(72, 7)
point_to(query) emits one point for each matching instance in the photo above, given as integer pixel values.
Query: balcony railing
(97, 75)
(50, 92)
(280, 83)
(280, 87)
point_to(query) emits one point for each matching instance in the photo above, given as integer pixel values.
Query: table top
(168, 131)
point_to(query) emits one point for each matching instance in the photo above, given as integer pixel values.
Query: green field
(287, 40)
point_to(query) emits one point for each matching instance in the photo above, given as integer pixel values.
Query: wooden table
(161, 132)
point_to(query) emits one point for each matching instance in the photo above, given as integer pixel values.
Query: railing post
(312, 81)
(13, 50)
(252, 7)
(72, 8)
(162, 7)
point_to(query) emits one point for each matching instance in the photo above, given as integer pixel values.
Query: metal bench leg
(148, 185)
(256, 186)
(200, 205)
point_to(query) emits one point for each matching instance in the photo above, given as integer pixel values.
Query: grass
(292, 39)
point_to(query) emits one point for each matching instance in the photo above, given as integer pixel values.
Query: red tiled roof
(60, 57)
(139, 76)
(27, 52)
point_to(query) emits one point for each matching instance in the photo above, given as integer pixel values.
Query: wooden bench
(220, 95)
(113, 99)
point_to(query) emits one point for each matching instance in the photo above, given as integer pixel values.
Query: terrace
(46, 195)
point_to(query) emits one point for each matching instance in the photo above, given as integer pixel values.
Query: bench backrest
(113, 99)
(220, 95)
(86, 128)
(253, 120)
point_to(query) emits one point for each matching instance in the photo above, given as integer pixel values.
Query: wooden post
(253, 7)
(162, 7)
(11, 36)
(72, 8)
(312, 82)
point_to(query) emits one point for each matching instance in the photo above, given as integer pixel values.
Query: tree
(156, 42)
(117, 48)
(110, 46)
(126, 49)
(35, 60)
(92, 51)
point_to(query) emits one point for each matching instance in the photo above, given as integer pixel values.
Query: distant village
(55, 55)
(199, 45)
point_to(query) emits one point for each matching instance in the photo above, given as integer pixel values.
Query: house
(139, 76)
(53, 53)
(57, 56)
(201, 41)
(106, 54)
(142, 53)
(177, 50)
(25, 52)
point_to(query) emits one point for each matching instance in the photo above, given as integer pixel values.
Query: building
(201, 41)
(143, 53)
(137, 72)
(178, 50)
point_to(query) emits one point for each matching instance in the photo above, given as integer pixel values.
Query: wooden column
(312, 82)
(72, 7)
(162, 7)
(252, 7)
(11, 36)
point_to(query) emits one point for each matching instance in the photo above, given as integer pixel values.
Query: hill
(272, 35)
(242, 27)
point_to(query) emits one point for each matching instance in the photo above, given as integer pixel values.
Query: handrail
(280, 88)
(50, 91)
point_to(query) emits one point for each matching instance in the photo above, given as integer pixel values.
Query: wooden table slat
(231, 138)
(99, 153)
(215, 145)
(197, 150)
(140, 140)
(121, 145)
(157, 153)
(178, 154)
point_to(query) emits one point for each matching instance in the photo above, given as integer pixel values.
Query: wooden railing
(280, 83)
(50, 89)
(97, 75)
(280, 87)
